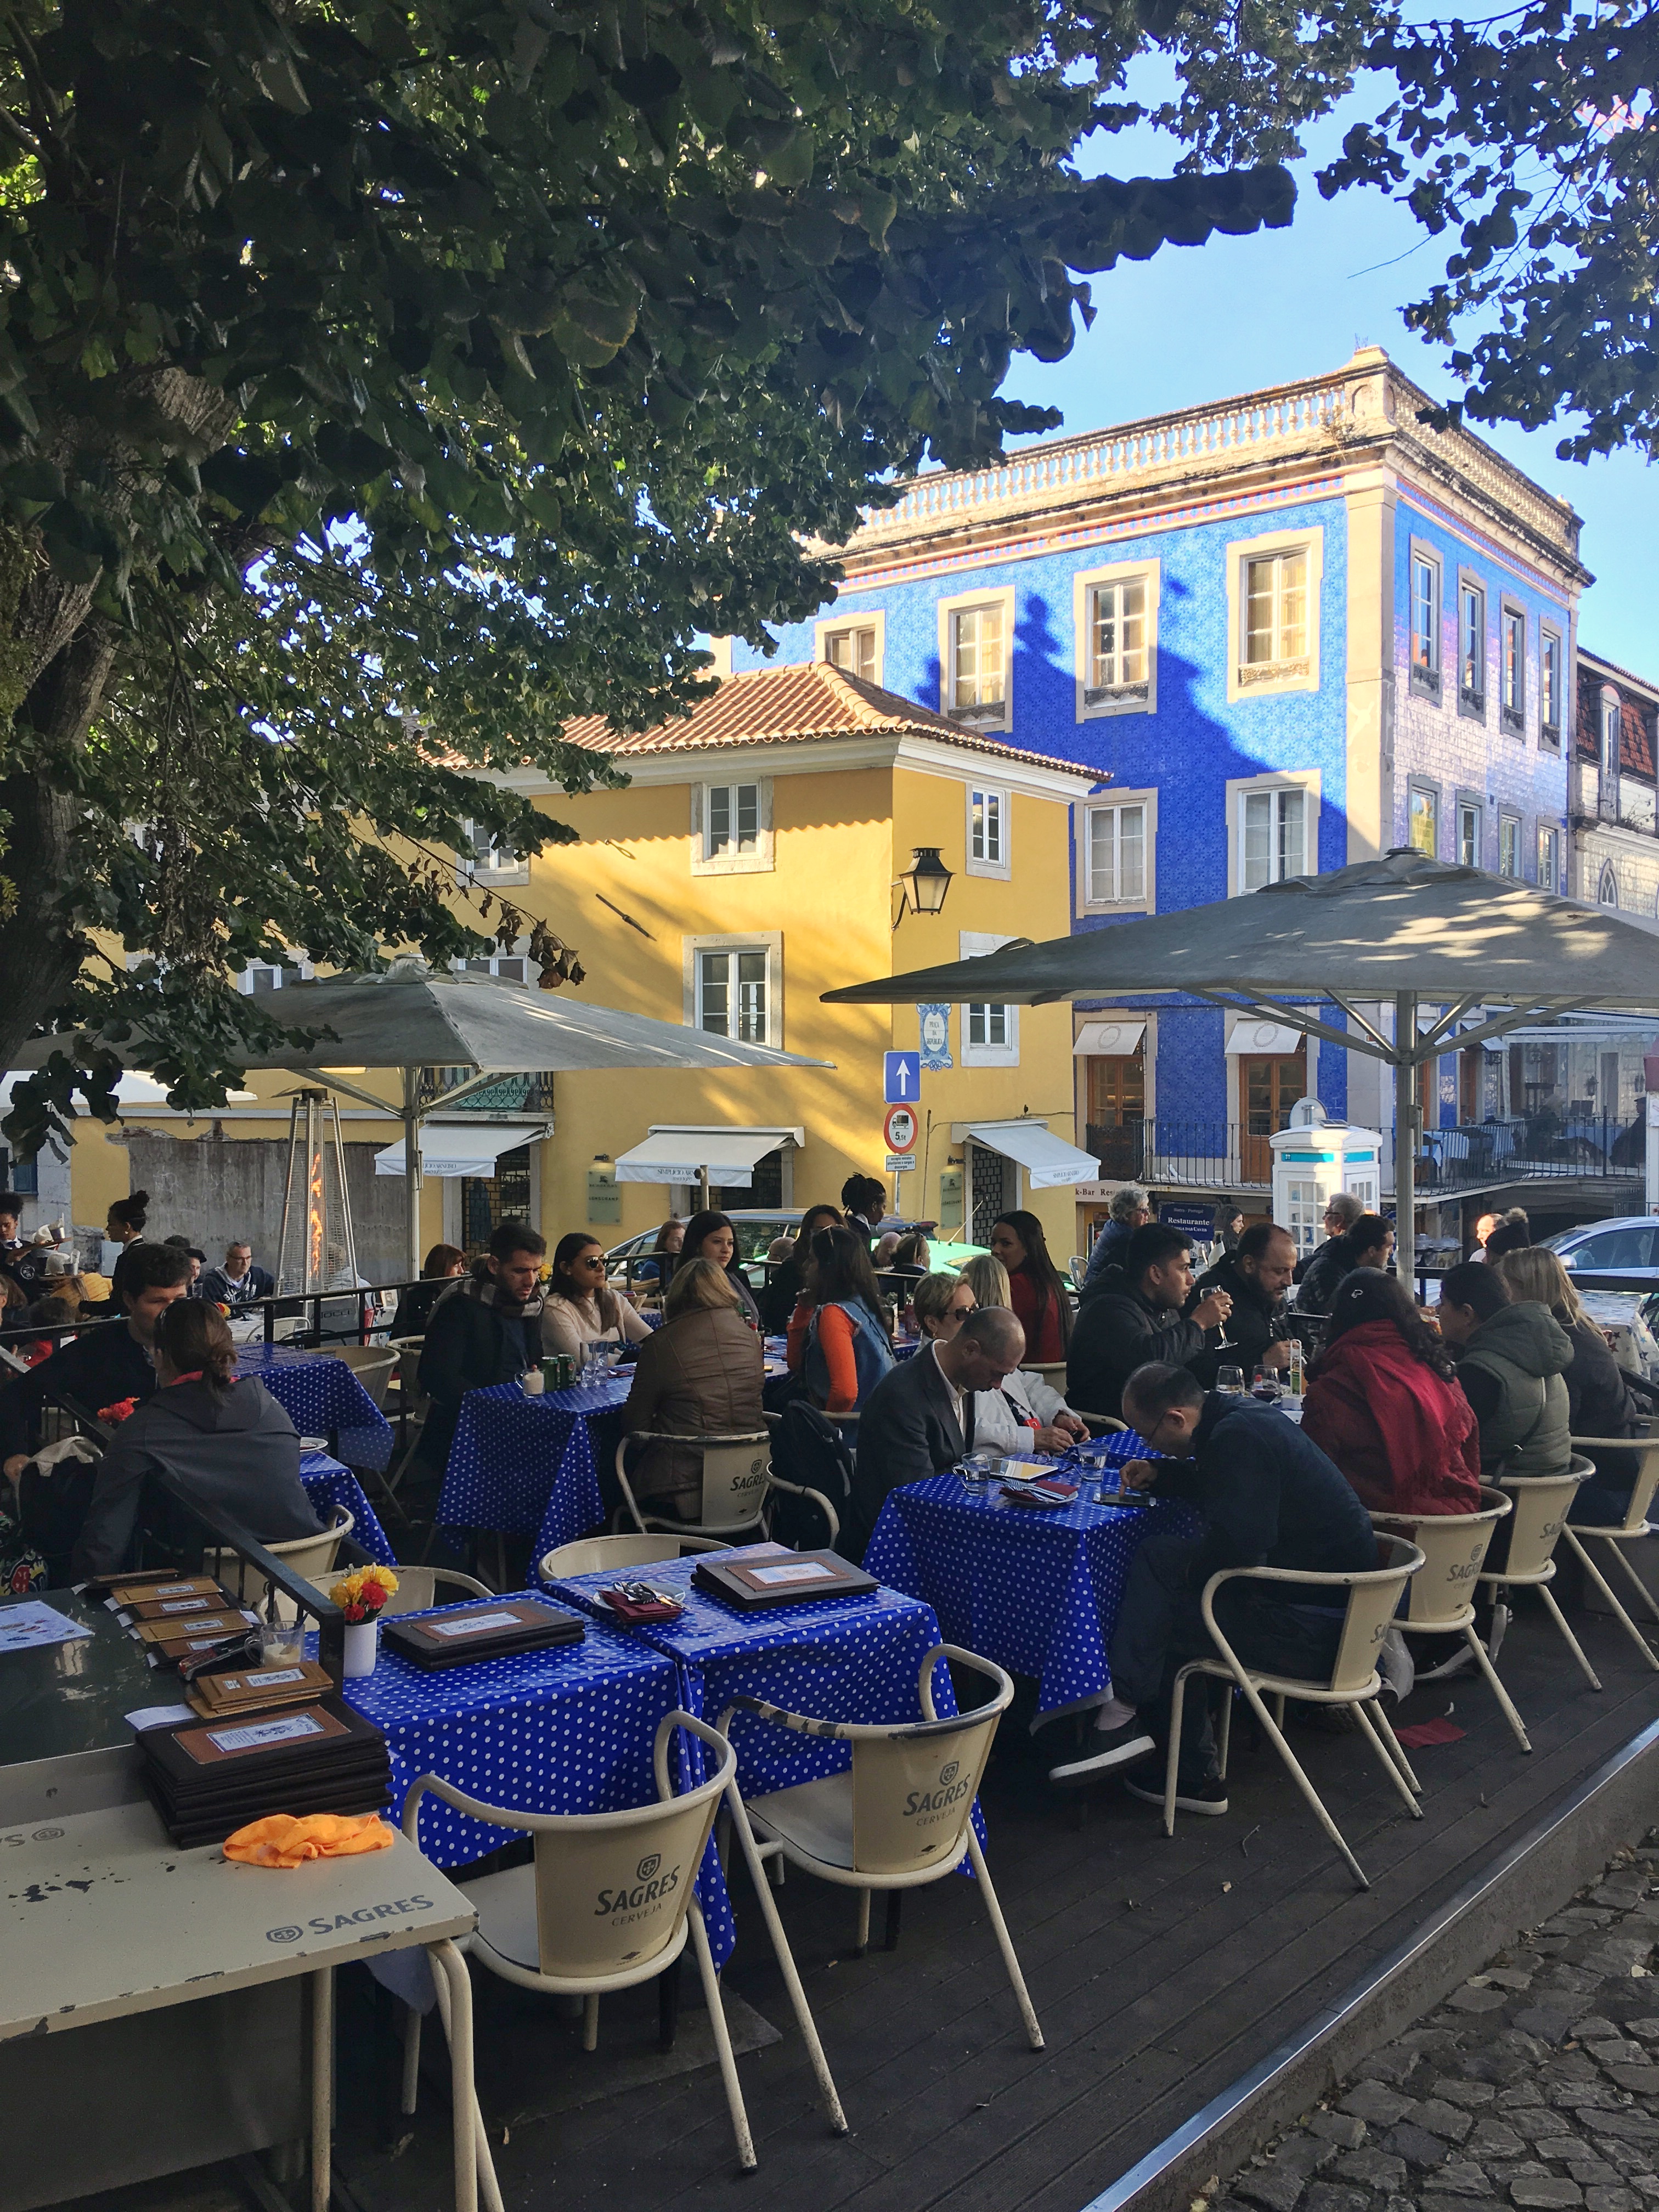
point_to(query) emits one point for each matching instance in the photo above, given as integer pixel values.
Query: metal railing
(529, 1091)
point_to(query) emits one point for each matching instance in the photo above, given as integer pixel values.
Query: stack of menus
(771, 1577)
(493, 1628)
(209, 1778)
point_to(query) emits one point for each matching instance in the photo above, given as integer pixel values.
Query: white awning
(1047, 1159)
(680, 1155)
(460, 1148)
(1108, 1040)
(1251, 1036)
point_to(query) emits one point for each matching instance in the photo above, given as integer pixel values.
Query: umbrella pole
(411, 1176)
(1404, 1139)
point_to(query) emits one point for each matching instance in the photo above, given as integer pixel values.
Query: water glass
(1230, 1381)
(980, 1468)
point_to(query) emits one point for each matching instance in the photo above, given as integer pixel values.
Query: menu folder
(781, 1578)
(492, 1628)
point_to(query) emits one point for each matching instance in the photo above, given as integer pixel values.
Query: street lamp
(924, 883)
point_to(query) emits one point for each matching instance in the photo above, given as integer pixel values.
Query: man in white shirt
(918, 1420)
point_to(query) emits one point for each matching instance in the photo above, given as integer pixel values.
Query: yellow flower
(382, 1578)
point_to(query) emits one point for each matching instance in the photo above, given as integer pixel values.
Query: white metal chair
(902, 1814)
(1053, 1372)
(1373, 1595)
(372, 1365)
(589, 1554)
(417, 1588)
(1441, 1600)
(310, 1557)
(1634, 1526)
(1102, 1425)
(608, 1903)
(736, 1482)
(1541, 1503)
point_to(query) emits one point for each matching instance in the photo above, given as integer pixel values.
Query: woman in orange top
(1034, 1289)
(837, 1337)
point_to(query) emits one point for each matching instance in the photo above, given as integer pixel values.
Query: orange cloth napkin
(281, 1839)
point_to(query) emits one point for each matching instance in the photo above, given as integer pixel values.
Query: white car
(1622, 1319)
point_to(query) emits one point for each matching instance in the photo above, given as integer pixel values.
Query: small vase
(362, 1646)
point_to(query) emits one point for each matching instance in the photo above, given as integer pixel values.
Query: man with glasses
(1318, 1275)
(1137, 1315)
(1269, 1497)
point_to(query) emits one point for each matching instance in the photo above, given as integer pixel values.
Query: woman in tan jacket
(699, 1375)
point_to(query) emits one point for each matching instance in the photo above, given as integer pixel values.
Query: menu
(31, 1627)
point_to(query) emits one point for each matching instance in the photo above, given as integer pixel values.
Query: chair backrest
(1053, 1371)
(914, 1788)
(312, 1557)
(735, 1473)
(410, 1396)
(1373, 1600)
(1647, 1475)
(1454, 1547)
(418, 1587)
(1541, 1502)
(590, 1555)
(372, 1364)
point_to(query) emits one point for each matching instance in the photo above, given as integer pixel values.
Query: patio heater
(316, 1201)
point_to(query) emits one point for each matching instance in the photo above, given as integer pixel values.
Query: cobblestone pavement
(1537, 2084)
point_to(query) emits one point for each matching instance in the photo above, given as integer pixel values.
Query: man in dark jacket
(1270, 1499)
(238, 1283)
(102, 1365)
(1254, 1277)
(918, 1419)
(1368, 1243)
(487, 1329)
(1134, 1314)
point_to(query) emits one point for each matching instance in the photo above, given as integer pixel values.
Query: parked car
(1624, 1317)
(1628, 1246)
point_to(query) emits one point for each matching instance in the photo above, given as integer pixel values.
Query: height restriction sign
(901, 1129)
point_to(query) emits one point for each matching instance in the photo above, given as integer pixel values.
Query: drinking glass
(1230, 1381)
(980, 1467)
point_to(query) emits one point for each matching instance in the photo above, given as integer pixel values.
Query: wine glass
(1230, 1381)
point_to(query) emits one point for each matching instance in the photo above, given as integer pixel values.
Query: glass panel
(977, 672)
(1258, 839)
(1291, 849)
(719, 819)
(1473, 673)
(1514, 649)
(1131, 851)
(975, 1024)
(1552, 682)
(1423, 827)
(716, 988)
(1509, 846)
(751, 997)
(986, 842)
(1259, 613)
(854, 650)
(1118, 654)
(748, 818)
(1425, 615)
(1468, 837)
(1293, 605)
(1102, 852)
(996, 1024)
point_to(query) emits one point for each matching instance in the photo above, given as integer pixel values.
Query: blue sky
(1201, 323)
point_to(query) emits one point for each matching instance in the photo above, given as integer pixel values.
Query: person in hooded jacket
(1384, 1402)
(1599, 1400)
(1512, 1359)
(224, 1439)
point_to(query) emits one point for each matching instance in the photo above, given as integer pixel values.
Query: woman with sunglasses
(581, 1309)
(1025, 1413)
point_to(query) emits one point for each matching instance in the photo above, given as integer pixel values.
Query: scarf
(487, 1289)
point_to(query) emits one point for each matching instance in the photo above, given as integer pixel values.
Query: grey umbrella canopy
(414, 1017)
(1403, 928)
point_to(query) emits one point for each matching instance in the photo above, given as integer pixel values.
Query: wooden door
(1116, 1111)
(1268, 1086)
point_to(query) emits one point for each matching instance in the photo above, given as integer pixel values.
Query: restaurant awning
(1047, 1159)
(1108, 1040)
(1275, 1038)
(461, 1148)
(727, 1156)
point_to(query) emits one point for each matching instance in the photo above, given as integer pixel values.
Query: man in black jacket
(487, 1329)
(1134, 1314)
(1270, 1497)
(918, 1419)
(102, 1365)
(1254, 1277)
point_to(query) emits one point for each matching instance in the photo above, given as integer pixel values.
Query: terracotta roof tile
(1636, 727)
(795, 705)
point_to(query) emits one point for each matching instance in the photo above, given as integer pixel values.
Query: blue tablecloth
(566, 1730)
(322, 1397)
(327, 1483)
(530, 1466)
(1036, 1589)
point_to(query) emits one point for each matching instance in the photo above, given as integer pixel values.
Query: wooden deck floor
(1160, 1970)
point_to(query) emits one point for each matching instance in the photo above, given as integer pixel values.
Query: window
(1469, 812)
(1116, 858)
(1425, 624)
(1509, 845)
(1472, 649)
(492, 861)
(1551, 667)
(1272, 837)
(1272, 605)
(989, 826)
(733, 996)
(853, 650)
(262, 975)
(1114, 612)
(732, 828)
(979, 663)
(990, 1031)
(1512, 671)
(1275, 608)
(1549, 860)
(512, 966)
(1608, 751)
(1607, 891)
(1423, 820)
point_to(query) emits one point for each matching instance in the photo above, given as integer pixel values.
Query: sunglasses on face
(594, 1259)
(961, 1313)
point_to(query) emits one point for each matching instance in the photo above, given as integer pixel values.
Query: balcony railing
(529, 1093)
(1218, 1155)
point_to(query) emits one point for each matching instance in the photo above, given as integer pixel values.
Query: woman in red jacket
(1385, 1403)
(1034, 1290)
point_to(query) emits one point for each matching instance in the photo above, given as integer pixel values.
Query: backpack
(54, 1495)
(807, 1448)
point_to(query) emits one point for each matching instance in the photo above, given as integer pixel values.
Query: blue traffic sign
(901, 1078)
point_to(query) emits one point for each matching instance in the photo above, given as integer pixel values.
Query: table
(530, 1466)
(61, 1699)
(326, 1483)
(565, 1731)
(1036, 1589)
(322, 1396)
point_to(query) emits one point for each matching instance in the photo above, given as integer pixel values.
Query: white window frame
(487, 870)
(982, 720)
(1424, 679)
(1470, 802)
(1272, 677)
(1549, 877)
(1472, 706)
(1549, 733)
(295, 967)
(514, 964)
(832, 625)
(1507, 818)
(1105, 802)
(1127, 698)
(769, 941)
(973, 944)
(1419, 787)
(999, 802)
(1242, 787)
(730, 862)
(1608, 747)
(1512, 718)
(1607, 881)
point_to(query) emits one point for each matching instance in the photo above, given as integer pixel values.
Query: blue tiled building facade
(1288, 632)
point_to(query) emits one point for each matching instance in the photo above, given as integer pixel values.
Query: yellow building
(753, 862)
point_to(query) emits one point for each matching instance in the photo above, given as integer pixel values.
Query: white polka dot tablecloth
(327, 1483)
(530, 1466)
(1035, 1588)
(322, 1397)
(565, 1731)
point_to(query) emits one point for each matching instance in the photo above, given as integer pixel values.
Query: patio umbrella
(413, 1017)
(1403, 929)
